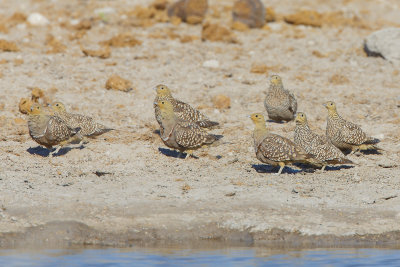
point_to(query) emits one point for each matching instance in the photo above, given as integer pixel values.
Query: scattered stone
(7, 46)
(37, 19)
(85, 24)
(55, 45)
(211, 63)
(217, 33)
(115, 82)
(338, 79)
(384, 43)
(270, 14)
(122, 40)
(24, 105)
(160, 4)
(230, 194)
(19, 121)
(104, 11)
(190, 11)
(239, 26)
(305, 17)
(221, 102)
(18, 61)
(259, 68)
(36, 94)
(103, 53)
(249, 12)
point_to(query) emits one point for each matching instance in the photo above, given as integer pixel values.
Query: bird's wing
(276, 148)
(189, 134)
(352, 133)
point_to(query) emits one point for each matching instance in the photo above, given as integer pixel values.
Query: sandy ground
(125, 187)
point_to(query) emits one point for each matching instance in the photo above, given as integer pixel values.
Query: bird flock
(185, 129)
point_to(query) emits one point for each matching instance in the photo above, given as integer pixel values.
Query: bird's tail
(213, 138)
(366, 146)
(340, 161)
(372, 141)
(207, 124)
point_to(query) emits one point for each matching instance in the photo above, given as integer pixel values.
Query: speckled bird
(318, 146)
(274, 149)
(88, 126)
(49, 131)
(179, 134)
(346, 135)
(182, 110)
(281, 105)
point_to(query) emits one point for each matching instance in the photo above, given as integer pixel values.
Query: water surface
(201, 257)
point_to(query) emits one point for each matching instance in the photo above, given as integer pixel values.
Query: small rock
(211, 63)
(305, 17)
(249, 12)
(115, 82)
(104, 10)
(7, 46)
(217, 33)
(122, 40)
(25, 105)
(190, 11)
(384, 43)
(103, 53)
(222, 102)
(37, 19)
(259, 68)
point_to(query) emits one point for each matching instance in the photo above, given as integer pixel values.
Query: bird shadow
(173, 153)
(44, 152)
(363, 152)
(338, 167)
(262, 168)
(40, 151)
(279, 122)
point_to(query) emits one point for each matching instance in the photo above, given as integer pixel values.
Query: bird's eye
(256, 116)
(162, 102)
(57, 105)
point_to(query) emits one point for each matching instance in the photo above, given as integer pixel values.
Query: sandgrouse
(280, 104)
(182, 110)
(318, 146)
(274, 149)
(346, 135)
(180, 134)
(49, 131)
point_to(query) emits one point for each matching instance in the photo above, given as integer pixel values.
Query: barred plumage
(87, 124)
(274, 149)
(281, 105)
(182, 110)
(318, 146)
(48, 130)
(180, 134)
(346, 135)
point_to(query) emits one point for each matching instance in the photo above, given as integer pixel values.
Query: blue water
(222, 257)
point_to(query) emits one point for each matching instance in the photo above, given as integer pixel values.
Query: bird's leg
(189, 153)
(323, 168)
(282, 165)
(56, 151)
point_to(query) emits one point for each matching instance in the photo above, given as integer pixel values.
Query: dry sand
(123, 189)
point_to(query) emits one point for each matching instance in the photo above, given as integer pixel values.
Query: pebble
(37, 19)
(211, 64)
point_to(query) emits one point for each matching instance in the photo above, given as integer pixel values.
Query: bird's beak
(324, 104)
(248, 116)
(155, 88)
(155, 103)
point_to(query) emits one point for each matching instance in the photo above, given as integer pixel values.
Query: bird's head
(276, 80)
(257, 118)
(330, 105)
(58, 107)
(162, 90)
(165, 106)
(300, 118)
(35, 109)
